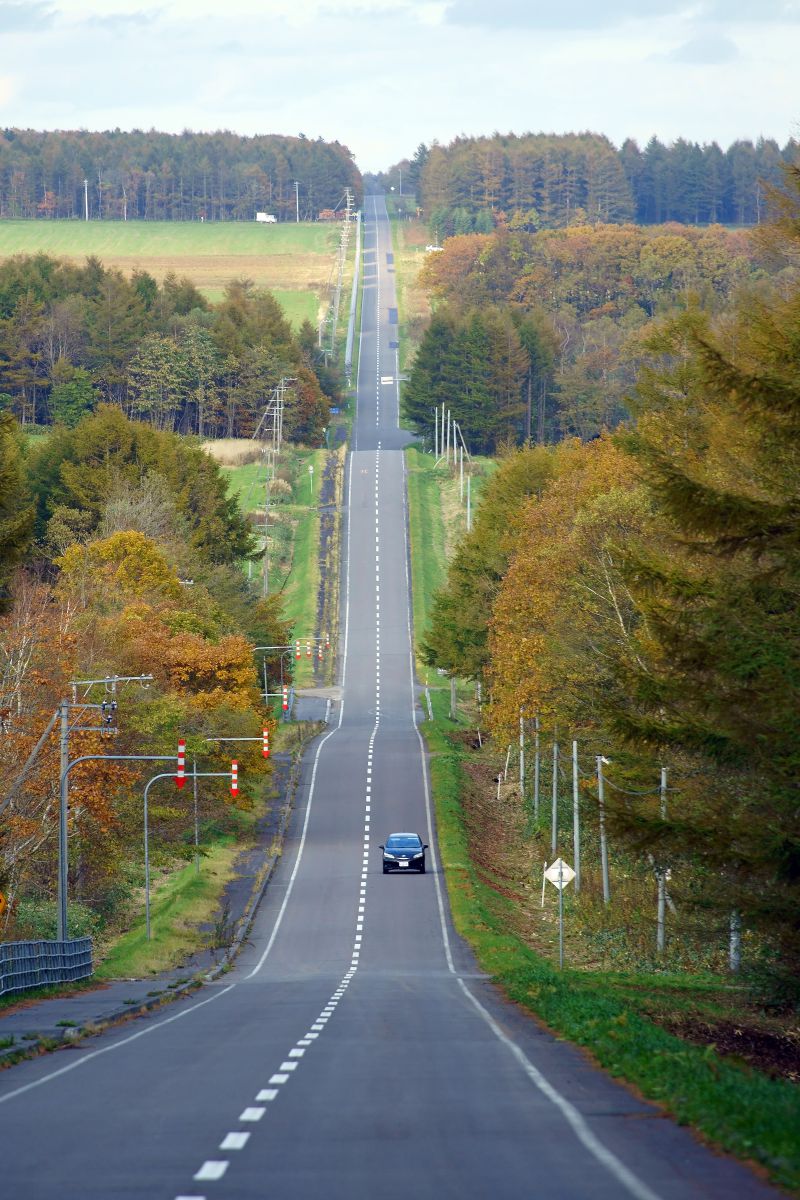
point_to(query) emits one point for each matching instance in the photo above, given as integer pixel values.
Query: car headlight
(386, 854)
(419, 855)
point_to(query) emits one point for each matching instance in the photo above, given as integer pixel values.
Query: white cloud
(705, 50)
(27, 17)
(389, 77)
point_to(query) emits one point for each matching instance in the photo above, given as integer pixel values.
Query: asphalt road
(355, 1051)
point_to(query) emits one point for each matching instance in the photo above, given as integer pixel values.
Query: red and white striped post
(320, 652)
(297, 649)
(234, 778)
(265, 750)
(308, 649)
(285, 698)
(180, 778)
(327, 641)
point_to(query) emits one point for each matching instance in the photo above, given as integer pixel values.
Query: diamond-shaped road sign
(559, 873)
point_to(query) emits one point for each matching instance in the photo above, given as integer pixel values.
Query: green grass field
(292, 260)
(154, 239)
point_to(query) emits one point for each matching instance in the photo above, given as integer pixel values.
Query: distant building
(266, 218)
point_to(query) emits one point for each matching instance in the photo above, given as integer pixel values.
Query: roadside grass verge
(180, 903)
(437, 519)
(427, 540)
(294, 534)
(46, 993)
(409, 238)
(739, 1109)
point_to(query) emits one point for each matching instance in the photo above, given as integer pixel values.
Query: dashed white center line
(267, 1094)
(252, 1113)
(234, 1141)
(212, 1169)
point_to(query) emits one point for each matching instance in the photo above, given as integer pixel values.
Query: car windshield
(403, 841)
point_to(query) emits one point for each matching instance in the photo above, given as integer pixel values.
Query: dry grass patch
(233, 452)
(210, 273)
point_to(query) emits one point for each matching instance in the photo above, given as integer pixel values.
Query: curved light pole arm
(63, 854)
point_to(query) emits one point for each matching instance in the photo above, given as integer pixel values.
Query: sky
(381, 76)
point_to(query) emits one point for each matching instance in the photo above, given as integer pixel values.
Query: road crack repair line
(237, 1139)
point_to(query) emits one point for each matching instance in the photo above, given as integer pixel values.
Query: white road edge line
(312, 784)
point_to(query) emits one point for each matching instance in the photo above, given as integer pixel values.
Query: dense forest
(547, 181)
(73, 336)
(542, 335)
(120, 553)
(152, 176)
(639, 593)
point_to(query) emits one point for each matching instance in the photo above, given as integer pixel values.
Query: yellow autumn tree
(563, 612)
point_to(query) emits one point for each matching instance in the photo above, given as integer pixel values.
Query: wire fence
(25, 965)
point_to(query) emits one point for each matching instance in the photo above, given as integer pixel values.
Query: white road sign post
(560, 874)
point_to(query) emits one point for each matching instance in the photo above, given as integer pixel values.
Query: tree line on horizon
(547, 181)
(147, 175)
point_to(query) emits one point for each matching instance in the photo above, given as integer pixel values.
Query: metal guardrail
(26, 965)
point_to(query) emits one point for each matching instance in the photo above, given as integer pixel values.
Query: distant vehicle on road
(266, 218)
(404, 851)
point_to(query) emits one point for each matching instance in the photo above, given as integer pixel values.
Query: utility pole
(272, 424)
(63, 862)
(735, 942)
(196, 819)
(554, 830)
(297, 200)
(601, 801)
(537, 766)
(86, 199)
(576, 817)
(522, 754)
(107, 709)
(662, 874)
